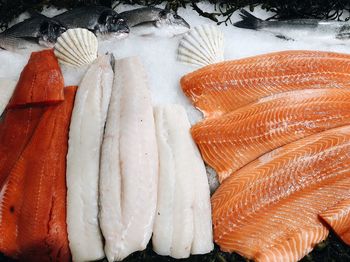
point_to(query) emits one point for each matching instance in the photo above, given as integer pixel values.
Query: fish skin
(223, 87)
(183, 218)
(32, 202)
(98, 19)
(304, 27)
(83, 161)
(229, 142)
(38, 29)
(338, 218)
(129, 164)
(41, 80)
(268, 210)
(153, 21)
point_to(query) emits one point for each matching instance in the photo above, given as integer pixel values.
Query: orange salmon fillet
(229, 142)
(223, 87)
(41, 81)
(269, 210)
(338, 217)
(33, 200)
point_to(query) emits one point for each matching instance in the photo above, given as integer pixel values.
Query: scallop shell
(76, 47)
(203, 45)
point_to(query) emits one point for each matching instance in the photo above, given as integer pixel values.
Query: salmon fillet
(33, 200)
(268, 210)
(223, 87)
(338, 218)
(41, 81)
(230, 142)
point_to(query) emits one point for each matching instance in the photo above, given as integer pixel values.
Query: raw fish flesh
(183, 219)
(269, 210)
(338, 217)
(33, 200)
(7, 86)
(83, 160)
(17, 125)
(223, 87)
(40, 82)
(229, 142)
(129, 164)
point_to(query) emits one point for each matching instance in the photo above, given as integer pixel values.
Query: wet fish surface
(229, 142)
(129, 163)
(269, 210)
(38, 29)
(98, 19)
(296, 28)
(183, 219)
(223, 87)
(153, 21)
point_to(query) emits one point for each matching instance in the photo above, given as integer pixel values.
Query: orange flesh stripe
(33, 201)
(223, 87)
(338, 218)
(16, 129)
(229, 142)
(268, 210)
(41, 81)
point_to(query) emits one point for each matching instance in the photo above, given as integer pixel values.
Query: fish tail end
(248, 21)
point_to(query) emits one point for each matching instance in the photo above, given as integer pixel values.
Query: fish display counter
(159, 132)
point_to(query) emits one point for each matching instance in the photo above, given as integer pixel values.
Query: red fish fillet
(229, 142)
(33, 200)
(41, 81)
(223, 87)
(338, 217)
(268, 210)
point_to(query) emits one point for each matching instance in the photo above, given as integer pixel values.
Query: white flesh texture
(7, 86)
(83, 160)
(183, 219)
(129, 164)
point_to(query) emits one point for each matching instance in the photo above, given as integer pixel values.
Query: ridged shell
(76, 47)
(202, 46)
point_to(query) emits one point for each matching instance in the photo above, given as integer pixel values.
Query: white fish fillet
(129, 164)
(183, 219)
(83, 161)
(7, 86)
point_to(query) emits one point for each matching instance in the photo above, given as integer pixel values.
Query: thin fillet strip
(273, 215)
(183, 217)
(129, 164)
(230, 142)
(41, 81)
(32, 215)
(223, 87)
(18, 125)
(338, 217)
(83, 161)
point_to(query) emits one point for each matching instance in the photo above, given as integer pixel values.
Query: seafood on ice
(203, 45)
(7, 87)
(76, 47)
(83, 160)
(271, 209)
(33, 196)
(229, 142)
(129, 164)
(223, 87)
(183, 218)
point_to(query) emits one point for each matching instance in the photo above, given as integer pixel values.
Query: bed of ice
(159, 54)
